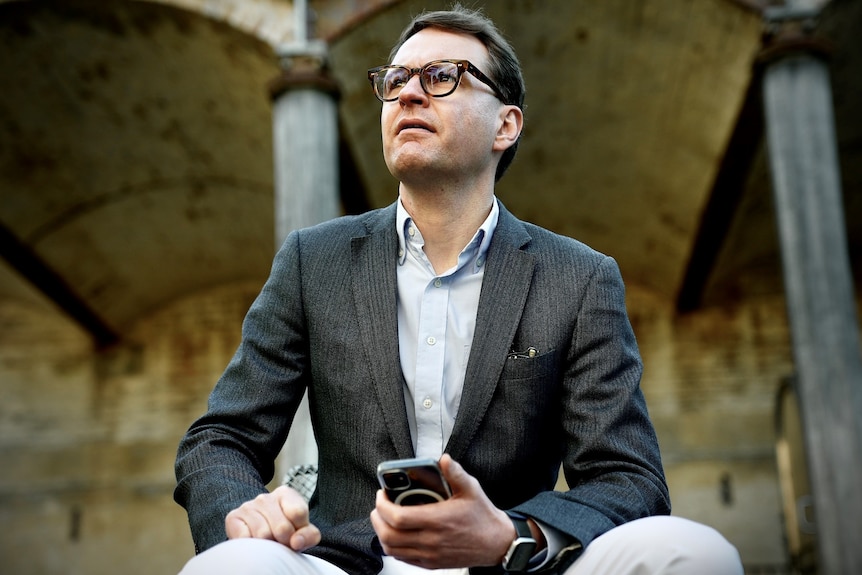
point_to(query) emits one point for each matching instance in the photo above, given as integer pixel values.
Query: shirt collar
(482, 237)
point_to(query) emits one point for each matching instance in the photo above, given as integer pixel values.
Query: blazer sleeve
(611, 457)
(227, 456)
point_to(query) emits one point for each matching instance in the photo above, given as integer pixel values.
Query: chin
(404, 166)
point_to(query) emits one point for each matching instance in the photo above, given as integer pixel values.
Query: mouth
(413, 125)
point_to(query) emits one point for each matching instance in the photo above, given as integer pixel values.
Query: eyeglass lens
(437, 79)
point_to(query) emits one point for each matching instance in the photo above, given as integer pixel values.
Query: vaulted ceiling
(136, 144)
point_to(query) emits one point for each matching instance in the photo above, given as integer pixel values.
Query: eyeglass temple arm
(486, 80)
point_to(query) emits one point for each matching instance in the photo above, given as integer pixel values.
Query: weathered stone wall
(88, 439)
(711, 380)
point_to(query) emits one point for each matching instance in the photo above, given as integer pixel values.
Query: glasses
(438, 78)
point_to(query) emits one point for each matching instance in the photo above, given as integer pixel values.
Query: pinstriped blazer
(326, 322)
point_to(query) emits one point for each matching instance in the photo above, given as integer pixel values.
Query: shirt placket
(430, 365)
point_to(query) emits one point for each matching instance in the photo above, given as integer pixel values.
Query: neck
(448, 220)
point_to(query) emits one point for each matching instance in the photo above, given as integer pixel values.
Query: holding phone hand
(465, 530)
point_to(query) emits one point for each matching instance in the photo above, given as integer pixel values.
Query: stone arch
(267, 20)
(148, 122)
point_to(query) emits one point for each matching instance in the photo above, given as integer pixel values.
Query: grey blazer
(326, 322)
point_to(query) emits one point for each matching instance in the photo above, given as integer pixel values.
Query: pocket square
(528, 353)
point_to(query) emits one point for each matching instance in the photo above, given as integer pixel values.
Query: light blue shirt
(436, 322)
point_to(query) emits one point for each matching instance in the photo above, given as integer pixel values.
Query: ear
(511, 121)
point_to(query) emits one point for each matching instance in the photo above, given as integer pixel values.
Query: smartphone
(413, 481)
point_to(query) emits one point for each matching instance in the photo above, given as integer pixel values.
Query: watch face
(519, 555)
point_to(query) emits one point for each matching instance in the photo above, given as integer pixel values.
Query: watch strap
(522, 527)
(517, 558)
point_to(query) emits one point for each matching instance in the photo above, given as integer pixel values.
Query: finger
(263, 518)
(386, 533)
(235, 527)
(293, 506)
(401, 530)
(245, 521)
(295, 509)
(422, 556)
(277, 516)
(304, 538)
(380, 511)
(397, 516)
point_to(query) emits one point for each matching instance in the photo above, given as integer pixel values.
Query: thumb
(459, 480)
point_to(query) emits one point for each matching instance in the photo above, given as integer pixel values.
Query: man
(442, 327)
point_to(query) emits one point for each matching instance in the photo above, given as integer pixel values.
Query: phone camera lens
(396, 480)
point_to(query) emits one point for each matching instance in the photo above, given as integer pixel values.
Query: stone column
(806, 181)
(305, 131)
(305, 115)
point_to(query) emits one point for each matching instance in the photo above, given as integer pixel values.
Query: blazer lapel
(373, 262)
(505, 285)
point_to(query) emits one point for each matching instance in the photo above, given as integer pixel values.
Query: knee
(661, 544)
(685, 546)
(238, 556)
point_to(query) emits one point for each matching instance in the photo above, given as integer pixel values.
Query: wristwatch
(521, 550)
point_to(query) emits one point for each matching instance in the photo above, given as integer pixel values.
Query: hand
(280, 516)
(466, 530)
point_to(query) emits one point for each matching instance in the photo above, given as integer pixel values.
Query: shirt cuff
(556, 541)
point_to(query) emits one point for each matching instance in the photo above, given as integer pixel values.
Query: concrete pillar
(806, 183)
(305, 116)
(305, 131)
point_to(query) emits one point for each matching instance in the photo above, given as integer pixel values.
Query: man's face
(425, 139)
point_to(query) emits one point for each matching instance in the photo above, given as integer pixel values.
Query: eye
(394, 79)
(441, 74)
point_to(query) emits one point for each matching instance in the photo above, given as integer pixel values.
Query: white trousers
(662, 544)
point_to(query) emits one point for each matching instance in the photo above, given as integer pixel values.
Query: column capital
(790, 30)
(303, 65)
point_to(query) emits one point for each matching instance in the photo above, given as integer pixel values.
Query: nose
(412, 92)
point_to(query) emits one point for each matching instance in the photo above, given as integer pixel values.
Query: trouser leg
(650, 546)
(262, 557)
(392, 566)
(661, 544)
(256, 557)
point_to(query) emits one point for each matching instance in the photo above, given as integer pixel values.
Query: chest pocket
(520, 366)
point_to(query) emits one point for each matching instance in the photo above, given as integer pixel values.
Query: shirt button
(427, 403)
(480, 261)
(411, 231)
(431, 340)
(438, 282)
